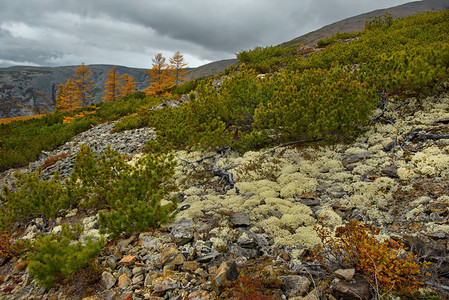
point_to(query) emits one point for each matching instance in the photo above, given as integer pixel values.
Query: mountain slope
(357, 23)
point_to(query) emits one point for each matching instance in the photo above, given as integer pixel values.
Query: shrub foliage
(384, 264)
(58, 256)
(130, 195)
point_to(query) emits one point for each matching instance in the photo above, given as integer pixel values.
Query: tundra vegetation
(324, 98)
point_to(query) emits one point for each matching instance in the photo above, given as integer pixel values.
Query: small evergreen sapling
(57, 257)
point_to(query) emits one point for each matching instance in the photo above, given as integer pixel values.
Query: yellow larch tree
(113, 88)
(129, 85)
(161, 78)
(69, 97)
(84, 82)
(179, 67)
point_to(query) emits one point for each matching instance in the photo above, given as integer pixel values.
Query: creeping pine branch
(383, 103)
(414, 135)
(272, 151)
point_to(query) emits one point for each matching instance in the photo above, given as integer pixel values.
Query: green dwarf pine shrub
(56, 257)
(130, 195)
(34, 198)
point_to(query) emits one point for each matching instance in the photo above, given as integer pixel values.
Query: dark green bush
(338, 36)
(130, 195)
(265, 59)
(34, 198)
(58, 256)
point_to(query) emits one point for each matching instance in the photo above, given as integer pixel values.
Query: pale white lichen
(331, 218)
(405, 174)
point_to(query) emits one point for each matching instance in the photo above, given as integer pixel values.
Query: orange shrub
(386, 265)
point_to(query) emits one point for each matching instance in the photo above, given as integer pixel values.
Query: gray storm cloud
(53, 32)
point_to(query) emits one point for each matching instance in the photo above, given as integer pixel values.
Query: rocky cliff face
(24, 90)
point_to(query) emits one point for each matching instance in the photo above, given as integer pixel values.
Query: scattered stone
(354, 158)
(295, 285)
(388, 147)
(110, 262)
(199, 294)
(240, 219)
(108, 280)
(346, 274)
(172, 256)
(20, 266)
(182, 232)
(358, 290)
(127, 260)
(208, 257)
(137, 279)
(190, 266)
(336, 191)
(390, 171)
(148, 281)
(124, 281)
(226, 272)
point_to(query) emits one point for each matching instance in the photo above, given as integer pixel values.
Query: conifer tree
(129, 85)
(179, 67)
(113, 87)
(68, 98)
(161, 78)
(84, 82)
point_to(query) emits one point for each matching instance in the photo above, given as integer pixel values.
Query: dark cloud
(53, 32)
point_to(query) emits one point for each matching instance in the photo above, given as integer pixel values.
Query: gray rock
(336, 191)
(390, 171)
(247, 239)
(351, 290)
(172, 256)
(182, 232)
(138, 271)
(240, 219)
(125, 270)
(108, 280)
(137, 279)
(225, 273)
(110, 262)
(148, 281)
(124, 281)
(295, 285)
(208, 257)
(346, 274)
(388, 147)
(244, 252)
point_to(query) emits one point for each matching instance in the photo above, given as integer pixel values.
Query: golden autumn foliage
(84, 83)
(113, 88)
(129, 85)
(69, 96)
(179, 67)
(161, 78)
(21, 118)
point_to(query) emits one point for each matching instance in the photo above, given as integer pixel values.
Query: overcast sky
(131, 32)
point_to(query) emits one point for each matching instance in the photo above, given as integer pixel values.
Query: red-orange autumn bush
(386, 265)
